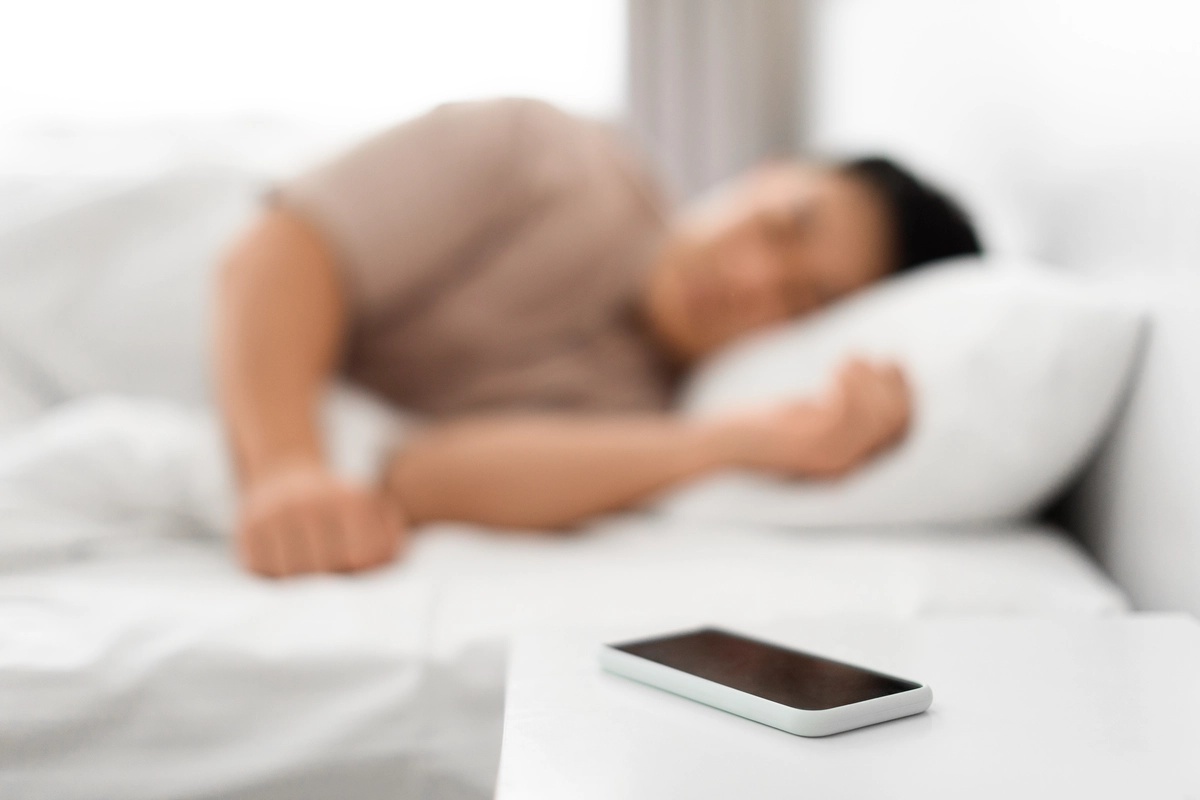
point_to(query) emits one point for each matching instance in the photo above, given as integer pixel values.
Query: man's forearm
(279, 329)
(549, 471)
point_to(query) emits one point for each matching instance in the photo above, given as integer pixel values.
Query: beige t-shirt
(493, 254)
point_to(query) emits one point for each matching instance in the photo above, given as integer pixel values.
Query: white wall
(1071, 124)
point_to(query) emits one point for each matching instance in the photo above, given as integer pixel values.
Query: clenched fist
(866, 411)
(305, 519)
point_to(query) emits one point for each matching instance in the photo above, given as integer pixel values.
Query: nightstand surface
(1042, 707)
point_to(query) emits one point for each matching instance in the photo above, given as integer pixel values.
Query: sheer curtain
(715, 85)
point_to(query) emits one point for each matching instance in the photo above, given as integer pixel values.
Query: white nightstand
(1063, 707)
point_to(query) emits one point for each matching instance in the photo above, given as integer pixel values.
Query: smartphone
(794, 691)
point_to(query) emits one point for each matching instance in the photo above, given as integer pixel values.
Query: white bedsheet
(169, 674)
(137, 661)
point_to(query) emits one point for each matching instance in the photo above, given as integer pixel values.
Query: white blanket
(173, 675)
(114, 472)
(166, 672)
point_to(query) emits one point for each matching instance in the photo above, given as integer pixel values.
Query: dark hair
(928, 224)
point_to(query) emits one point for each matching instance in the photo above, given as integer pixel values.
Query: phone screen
(788, 677)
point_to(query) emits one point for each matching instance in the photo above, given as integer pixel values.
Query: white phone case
(800, 721)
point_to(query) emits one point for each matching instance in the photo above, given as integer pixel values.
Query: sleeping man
(513, 275)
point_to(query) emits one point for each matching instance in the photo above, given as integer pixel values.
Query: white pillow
(1016, 373)
(113, 295)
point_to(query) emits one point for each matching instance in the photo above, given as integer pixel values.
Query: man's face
(780, 242)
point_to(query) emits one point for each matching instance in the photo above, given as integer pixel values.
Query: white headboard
(1070, 128)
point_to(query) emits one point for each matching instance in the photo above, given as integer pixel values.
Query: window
(344, 63)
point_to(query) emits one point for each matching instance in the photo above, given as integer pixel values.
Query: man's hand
(305, 519)
(866, 411)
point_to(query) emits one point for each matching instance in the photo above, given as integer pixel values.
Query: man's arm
(551, 471)
(279, 333)
(280, 327)
(395, 209)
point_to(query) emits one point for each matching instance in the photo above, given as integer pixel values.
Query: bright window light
(344, 63)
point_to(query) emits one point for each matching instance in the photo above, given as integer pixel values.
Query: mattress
(165, 672)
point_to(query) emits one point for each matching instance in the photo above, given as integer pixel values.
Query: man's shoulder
(551, 152)
(529, 129)
(529, 113)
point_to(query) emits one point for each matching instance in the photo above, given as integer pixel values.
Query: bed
(138, 661)
(162, 671)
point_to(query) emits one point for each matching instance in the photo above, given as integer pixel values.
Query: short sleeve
(414, 202)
